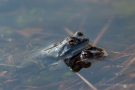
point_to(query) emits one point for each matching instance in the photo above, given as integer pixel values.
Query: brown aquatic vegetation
(126, 83)
(102, 32)
(3, 73)
(29, 31)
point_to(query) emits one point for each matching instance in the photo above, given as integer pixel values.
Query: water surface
(29, 25)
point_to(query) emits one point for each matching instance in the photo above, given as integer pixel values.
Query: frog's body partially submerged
(65, 49)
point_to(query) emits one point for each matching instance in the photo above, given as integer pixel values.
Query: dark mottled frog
(83, 59)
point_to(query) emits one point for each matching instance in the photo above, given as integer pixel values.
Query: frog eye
(78, 34)
(72, 42)
(85, 54)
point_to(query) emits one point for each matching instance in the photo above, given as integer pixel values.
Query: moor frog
(63, 50)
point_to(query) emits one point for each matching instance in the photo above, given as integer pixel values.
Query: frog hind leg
(76, 68)
(86, 64)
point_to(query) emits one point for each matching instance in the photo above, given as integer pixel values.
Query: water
(29, 25)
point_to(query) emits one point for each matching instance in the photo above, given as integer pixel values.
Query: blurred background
(29, 24)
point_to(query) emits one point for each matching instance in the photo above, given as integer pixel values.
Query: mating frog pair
(75, 51)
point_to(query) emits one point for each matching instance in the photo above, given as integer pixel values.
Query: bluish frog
(66, 48)
(63, 50)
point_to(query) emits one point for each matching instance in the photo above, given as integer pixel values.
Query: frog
(65, 49)
(83, 59)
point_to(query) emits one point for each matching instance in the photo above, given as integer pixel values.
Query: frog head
(70, 46)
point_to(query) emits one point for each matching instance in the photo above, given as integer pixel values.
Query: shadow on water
(28, 26)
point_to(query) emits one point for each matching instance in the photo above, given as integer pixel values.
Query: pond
(29, 25)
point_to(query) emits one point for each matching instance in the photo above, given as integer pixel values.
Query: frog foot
(100, 55)
(105, 54)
